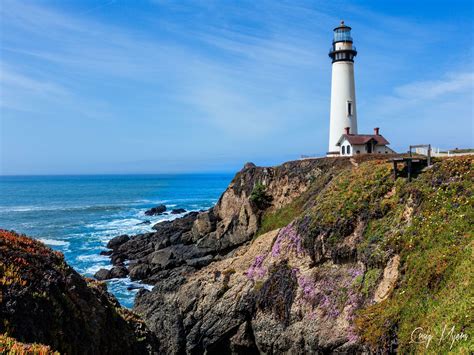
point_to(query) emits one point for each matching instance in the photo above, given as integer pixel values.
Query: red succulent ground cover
(12, 346)
(20, 258)
(43, 300)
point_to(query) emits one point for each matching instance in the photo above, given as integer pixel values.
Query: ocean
(78, 215)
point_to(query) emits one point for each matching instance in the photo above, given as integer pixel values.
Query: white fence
(436, 152)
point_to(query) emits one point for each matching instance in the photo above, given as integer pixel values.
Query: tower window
(348, 149)
(349, 108)
(343, 150)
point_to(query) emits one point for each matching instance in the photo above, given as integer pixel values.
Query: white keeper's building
(354, 144)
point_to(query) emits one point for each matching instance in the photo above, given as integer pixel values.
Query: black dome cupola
(342, 48)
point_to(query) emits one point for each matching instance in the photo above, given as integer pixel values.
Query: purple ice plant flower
(293, 241)
(326, 293)
(352, 336)
(276, 249)
(307, 286)
(354, 272)
(256, 270)
(295, 271)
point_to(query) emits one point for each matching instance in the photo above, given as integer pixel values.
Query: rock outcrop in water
(43, 300)
(156, 211)
(339, 261)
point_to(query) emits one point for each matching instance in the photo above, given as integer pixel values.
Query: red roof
(358, 139)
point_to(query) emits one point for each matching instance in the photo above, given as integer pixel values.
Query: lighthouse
(343, 116)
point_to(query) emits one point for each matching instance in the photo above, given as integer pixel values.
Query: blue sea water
(78, 215)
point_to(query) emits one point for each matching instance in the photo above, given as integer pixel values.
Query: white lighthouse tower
(343, 100)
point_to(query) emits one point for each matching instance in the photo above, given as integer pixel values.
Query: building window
(343, 150)
(358, 152)
(348, 149)
(349, 108)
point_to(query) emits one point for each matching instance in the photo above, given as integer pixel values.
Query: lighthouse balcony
(352, 49)
(342, 55)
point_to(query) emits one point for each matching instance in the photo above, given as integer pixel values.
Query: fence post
(429, 154)
(409, 169)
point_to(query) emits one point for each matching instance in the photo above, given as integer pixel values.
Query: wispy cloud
(439, 112)
(15, 80)
(226, 83)
(431, 89)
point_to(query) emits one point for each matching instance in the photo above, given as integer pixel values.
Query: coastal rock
(255, 306)
(167, 322)
(118, 272)
(243, 342)
(390, 276)
(178, 211)
(204, 224)
(102, 274)
(162, 242)
(117, 259)
(200, 262)
(139, 271)
(154, 211)
(144, 223)
(114, 243)
(139, 248)
(178, 225)
(163, 258)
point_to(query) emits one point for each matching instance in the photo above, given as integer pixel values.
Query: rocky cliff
(313, 256)
(327, 255)
(43, 300)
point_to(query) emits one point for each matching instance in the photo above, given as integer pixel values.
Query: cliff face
(236, 217)
(43, 300)
(200, 238)
(343, 259)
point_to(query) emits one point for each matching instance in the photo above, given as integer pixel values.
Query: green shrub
(259, 196)
(370, 281)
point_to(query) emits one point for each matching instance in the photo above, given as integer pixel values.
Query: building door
(369, 147)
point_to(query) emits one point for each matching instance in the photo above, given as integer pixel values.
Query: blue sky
(188, 86)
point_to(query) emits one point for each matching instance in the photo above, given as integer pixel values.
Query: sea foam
(54, 242)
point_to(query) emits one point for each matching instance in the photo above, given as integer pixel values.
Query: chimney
(376, 131)
(347, 130)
